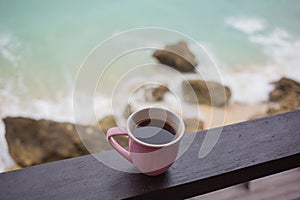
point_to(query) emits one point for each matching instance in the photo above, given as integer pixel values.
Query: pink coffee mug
(150, 159)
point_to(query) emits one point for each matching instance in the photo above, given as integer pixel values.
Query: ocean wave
(248, 25)
(279, 46)
(252, 84)
(58, 109)
(9, 48)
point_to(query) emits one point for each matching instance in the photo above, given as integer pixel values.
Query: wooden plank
(225, 194)
(283, 180)
(245, 151)
(284, 185)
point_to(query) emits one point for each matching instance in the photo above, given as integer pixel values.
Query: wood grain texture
(245, 151)
(280, 186)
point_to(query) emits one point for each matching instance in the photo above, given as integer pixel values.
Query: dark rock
(202, 92)
(287, 94)
(32, 142)
(177, 56)
(274, 111)
(109, 122)
(154, 93)
(159, 92)
(193, 125)
(284, 87)
(285, 97)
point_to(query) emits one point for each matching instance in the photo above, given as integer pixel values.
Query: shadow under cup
(153, 159)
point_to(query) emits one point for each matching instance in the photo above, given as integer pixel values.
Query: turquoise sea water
(42, 43)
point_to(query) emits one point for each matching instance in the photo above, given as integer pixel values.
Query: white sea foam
(58, 109)
(249, 87)
(9, 47)
(5, 159)
(247, 25)
(252, 84)
(279, 46)
(283, 53)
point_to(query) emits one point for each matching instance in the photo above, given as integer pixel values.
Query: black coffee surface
(154, 131)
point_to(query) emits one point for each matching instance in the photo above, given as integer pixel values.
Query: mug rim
(179, 137)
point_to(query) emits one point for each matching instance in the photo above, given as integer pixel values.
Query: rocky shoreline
(32, 142)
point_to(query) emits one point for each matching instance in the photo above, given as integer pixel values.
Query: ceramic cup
(150, 159)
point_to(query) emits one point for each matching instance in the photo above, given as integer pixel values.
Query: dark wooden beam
(244, 151)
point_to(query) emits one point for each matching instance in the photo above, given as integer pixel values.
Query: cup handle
(113, 132)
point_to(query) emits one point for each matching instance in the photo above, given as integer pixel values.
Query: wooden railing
(244, 151)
